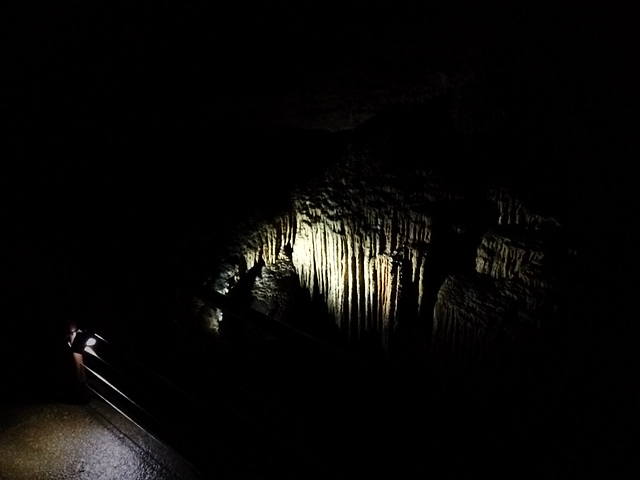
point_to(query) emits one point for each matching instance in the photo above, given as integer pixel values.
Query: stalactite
(419, 277)
(365, 250)
(267, 242)
(362, 239)
(343, 247)
(513, 211)
(521, 254)
(361, 246)
(513, 293)
(373, 238)
(471, 316)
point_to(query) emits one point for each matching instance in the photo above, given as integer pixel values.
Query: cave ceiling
(139, 68)
(124, 105)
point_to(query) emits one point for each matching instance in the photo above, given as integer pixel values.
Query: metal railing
(211, 433)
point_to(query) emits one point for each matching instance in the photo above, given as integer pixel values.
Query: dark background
(125, 125)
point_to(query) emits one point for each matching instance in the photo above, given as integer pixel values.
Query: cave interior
(440, 192)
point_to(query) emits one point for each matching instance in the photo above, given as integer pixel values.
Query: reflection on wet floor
(81, 442)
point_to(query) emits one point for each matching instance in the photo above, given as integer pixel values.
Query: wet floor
(81, 441)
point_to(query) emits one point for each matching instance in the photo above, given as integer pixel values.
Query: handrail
(132, 381)
(175, 423)
(163, 379)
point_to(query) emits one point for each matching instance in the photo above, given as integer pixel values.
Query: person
(76, 379)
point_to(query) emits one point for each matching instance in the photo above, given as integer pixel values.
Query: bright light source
(91, 351)
(81, 340)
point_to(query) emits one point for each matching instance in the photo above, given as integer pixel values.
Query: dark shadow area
(129, 159)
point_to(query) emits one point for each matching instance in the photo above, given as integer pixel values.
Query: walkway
(66, 441)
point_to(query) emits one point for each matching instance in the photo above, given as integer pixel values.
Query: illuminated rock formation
(396, 253)
(490, 319)
(513, 211)
(366, 240)
(362, 249)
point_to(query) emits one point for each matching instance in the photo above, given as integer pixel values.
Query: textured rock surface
(375, 237)
(128, 126)
(522, 275)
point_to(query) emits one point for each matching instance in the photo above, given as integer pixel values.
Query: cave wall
(431, 259)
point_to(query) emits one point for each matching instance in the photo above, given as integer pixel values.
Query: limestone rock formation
(491, 318)
(453, 267)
